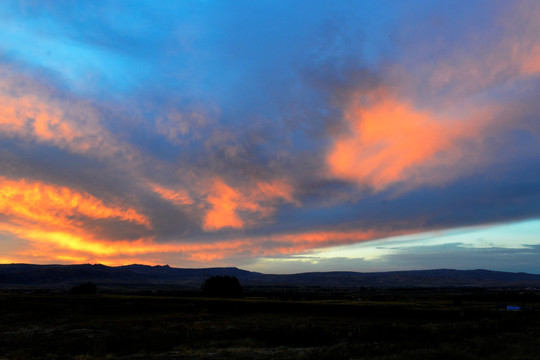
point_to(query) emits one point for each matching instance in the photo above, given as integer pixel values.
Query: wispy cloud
(34, 113)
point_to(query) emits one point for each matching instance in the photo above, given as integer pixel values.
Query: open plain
(278, 324)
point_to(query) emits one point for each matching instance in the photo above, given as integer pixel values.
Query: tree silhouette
(222, 286)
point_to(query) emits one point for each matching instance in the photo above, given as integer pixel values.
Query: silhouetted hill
(137, 276)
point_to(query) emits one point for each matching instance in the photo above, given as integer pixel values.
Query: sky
(274, 136)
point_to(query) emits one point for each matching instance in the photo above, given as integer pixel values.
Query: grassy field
(394, 325)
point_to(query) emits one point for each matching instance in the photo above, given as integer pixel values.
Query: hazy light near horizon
(374, 255)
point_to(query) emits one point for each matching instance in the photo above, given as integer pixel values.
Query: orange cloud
(178, 197)
(55, 221)
(224, 202)
(231, 208)
(63, 241)
(31, 112)
(281, 244)
(277, 189)
(51, 205)
(50, 245)
(390, 141)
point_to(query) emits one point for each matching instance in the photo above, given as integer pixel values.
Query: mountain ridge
(138, 275)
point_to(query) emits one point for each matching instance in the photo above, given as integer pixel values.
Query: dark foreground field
(396, 325)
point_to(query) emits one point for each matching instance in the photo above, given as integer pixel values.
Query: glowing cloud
(390, 141)
(228, 204)
(55, 220)
(65, 246)
(31, 112)
(52, 205)
(224, 202)
(278, 189)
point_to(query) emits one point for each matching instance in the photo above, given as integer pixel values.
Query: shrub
(222, 286)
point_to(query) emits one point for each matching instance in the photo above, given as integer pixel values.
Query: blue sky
(274, 136)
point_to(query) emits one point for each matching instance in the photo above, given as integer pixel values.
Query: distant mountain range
(143, 276)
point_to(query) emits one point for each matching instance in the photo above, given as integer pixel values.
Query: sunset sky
(275, 136)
